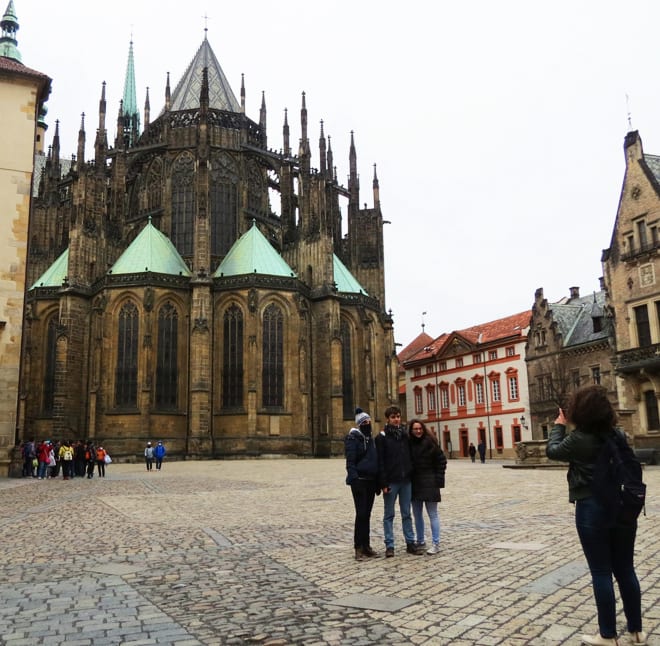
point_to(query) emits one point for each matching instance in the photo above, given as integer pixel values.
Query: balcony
(635, 359)
(642, 250)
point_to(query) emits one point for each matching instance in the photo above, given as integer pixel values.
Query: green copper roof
(9, 26)
(344, 280)
(253, 254)
(55, 274)
(186, 93)
(129, 102)
(151, 251)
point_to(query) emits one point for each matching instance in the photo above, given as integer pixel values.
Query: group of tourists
(44, 460)
(154, 454)
(405, 464)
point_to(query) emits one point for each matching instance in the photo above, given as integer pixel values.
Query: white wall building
(470, 386)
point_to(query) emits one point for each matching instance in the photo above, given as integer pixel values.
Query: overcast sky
(497, 127)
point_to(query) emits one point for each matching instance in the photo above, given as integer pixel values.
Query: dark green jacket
(580, 450)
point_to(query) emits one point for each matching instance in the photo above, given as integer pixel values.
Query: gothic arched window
(273, 357)
(183, 204)
(346, 369)
(167, 371)
(232, 358)
(51, 360)
(223, 204)
(127, 356)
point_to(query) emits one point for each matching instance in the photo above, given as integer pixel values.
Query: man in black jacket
(394, 471)
(362, 476)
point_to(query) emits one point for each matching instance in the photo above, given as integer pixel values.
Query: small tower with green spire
(130, 109)
(9, 26)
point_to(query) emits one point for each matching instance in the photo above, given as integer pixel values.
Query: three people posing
(400, 466)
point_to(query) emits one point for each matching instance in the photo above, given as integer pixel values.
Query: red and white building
(470, 386)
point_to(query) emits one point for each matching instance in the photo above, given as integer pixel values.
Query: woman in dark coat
(428, 477)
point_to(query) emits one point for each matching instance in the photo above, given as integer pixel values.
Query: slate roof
(186, 93)
(56, 273)
(253, 254)
(344, 280)
(151, 251)
(575, 319)
(653, 162)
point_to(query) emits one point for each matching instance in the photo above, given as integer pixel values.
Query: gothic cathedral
(192, 285)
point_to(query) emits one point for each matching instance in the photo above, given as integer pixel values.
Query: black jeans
(364, 494)
(609, 547)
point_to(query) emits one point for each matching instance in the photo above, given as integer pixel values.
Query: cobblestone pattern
(257, 551)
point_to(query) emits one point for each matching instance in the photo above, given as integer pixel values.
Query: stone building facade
(570, 344)
(630, 277)
(23, 92)
(172, 299)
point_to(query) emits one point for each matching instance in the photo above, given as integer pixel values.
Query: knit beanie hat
(361, 417)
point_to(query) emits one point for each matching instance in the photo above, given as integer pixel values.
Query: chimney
(575, 292)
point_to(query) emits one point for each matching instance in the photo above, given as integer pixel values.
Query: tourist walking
(481, 448)
(472, 452)
(362, 476)
(100, 461)
(428, 477)
(159, 454)
(394, 473)
(608, 543)
(149, 456)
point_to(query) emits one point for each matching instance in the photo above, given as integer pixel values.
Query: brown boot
(369, 552)
(359, 554)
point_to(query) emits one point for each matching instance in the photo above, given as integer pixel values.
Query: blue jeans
(418, 514)
(608, 547)
(402, 490)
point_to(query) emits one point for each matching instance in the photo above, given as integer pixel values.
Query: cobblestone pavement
(260, 552)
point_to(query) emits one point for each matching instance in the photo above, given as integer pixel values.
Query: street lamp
(490, 439)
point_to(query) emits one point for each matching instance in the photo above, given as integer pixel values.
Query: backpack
(68, 454)
(617, 480)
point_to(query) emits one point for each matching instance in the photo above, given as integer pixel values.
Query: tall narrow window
(223, 204)
(51, 361)
(479, 392)
(167, 357)
(232, 358)
(444, 396)
(497, 395)
(641, 234)
(127, 356)
(643, 327)
(273, 357)
(430, 396)
(419, 403)
(183, 204)
(595, 374)
(652, 417)
(513, 387)
(460, 389)
(346, 370)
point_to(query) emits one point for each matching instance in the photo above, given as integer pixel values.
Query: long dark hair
(427, 432)
(590, 410)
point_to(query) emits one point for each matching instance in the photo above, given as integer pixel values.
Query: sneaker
(413, 548)
(637, 638)
(389, 552)
(434, 549)
(597, 640)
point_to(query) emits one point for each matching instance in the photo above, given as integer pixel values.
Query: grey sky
(497, 127)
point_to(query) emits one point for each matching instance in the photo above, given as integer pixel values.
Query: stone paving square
(260, 552)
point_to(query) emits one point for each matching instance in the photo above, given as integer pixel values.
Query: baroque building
(630, 277)
(570, 344)
(470, 386)
(192, 285)
(23, 93)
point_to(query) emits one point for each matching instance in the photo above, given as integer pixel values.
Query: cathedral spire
(9, 26)
(101, 143)
(285, 134)
(376, 189)
(243, 93)
(330, 160)
(131, 112)
(353, 180)
(147, 109)
(322, 151)
(262, 118)
(168, 101)
(81, 142)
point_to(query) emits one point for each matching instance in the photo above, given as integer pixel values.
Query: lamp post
(490, 439)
